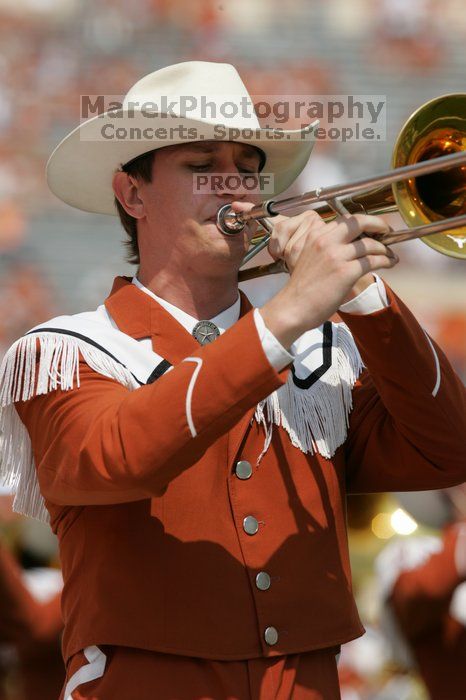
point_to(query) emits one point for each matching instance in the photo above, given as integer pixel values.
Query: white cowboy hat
(173, 99)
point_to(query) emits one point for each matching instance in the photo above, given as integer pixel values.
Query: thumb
(241, 206)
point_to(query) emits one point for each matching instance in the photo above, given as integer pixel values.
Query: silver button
(263, 581)
(250, 525)
(243, 469)
(271, 636)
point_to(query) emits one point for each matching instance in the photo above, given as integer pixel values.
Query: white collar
(223, 320)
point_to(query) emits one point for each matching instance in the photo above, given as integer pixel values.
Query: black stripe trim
(155, 374)
(326, 364)
(161, 368)
(76, 335)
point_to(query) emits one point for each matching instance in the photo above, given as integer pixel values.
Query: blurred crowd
(53, 51)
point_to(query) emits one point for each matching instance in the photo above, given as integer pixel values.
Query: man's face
(180, 220)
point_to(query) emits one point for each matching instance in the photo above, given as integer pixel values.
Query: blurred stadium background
(55, 259)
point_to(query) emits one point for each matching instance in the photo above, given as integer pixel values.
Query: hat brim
(80, 169)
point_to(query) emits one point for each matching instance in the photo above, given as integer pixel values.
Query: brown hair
(140, 167)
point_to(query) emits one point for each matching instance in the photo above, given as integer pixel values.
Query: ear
(127, 191)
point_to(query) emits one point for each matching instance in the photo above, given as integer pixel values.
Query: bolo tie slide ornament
(205, 332)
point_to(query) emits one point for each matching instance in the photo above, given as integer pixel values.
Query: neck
(200, 297)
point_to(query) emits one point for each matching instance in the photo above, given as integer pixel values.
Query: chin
(227, 243)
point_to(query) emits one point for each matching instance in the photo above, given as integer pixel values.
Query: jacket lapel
(169, 338)
(140, 316)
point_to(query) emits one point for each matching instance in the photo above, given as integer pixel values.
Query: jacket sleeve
(102, 443)
(408, 421)
(422, 596)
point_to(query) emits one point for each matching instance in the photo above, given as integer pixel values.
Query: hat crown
(200, 90)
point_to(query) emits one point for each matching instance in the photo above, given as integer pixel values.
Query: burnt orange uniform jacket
(150, 518)
(422, 602)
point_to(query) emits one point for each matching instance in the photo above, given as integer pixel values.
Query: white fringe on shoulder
(37, 364)
(316, 419)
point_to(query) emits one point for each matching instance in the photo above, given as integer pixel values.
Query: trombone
(427, 185)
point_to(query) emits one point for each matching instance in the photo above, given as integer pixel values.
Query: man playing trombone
(193, 453)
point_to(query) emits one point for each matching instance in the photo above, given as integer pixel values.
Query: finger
(288, 227)
(370, 263)
(282, 237)
(366, 222)
(366, 246)
(390, 252)
(241, 207)
(351, 227)
(295, 245)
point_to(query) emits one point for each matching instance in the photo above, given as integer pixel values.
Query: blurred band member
(424, 586)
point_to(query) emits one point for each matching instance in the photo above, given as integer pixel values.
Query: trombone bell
(437, 128)
(425, 201)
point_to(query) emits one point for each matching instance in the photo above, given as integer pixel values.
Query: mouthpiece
(229, 222)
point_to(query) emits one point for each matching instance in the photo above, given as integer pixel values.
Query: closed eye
(203, 167)
(200, 167)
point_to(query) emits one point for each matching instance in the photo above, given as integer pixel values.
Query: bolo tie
(205, 332)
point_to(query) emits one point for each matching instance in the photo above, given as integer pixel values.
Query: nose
(227, 182)
(232, 189)
(232, 183)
